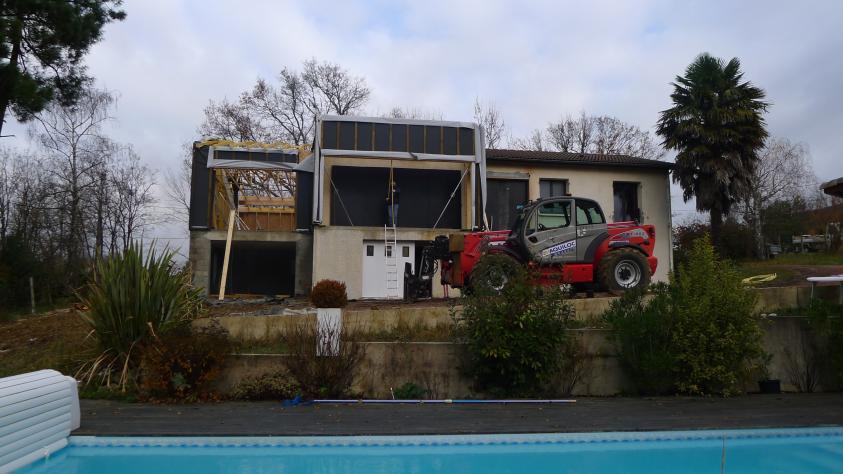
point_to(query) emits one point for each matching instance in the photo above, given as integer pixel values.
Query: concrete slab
(109, 418)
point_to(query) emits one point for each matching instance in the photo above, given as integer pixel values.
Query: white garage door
(380, 278)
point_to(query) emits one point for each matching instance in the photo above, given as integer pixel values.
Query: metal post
(32, 293)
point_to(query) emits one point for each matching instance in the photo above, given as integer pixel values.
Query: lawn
(792, 269)
(54, 340)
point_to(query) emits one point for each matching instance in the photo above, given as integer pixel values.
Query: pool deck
(108, 418)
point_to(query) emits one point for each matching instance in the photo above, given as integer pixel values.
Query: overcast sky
(536, 60)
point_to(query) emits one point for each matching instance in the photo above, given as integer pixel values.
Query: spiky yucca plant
(130, 298)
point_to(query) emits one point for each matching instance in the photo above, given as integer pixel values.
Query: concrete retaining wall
(435, 366)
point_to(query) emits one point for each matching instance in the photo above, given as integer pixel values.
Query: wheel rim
(627, 274)
(497, 280)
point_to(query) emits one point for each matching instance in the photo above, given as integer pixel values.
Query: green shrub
(329, 294)
(514, 338)
(699, 334)
(274, 386)
(643, 329)
(129, 298)
(409, 391)
(181, 364)
(826, 321)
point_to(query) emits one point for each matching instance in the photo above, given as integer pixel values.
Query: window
(552, 188)
(588, 212)
(405, 251)
(626, 201)
(387, 251)
(370, 250)
(549, 216)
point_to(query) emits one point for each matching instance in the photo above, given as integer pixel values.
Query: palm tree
(717, 128)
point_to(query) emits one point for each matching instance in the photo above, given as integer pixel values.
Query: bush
(514, 338)
(329, 294)
(274, 386)
(643, 330)
(699, 334)
(181, 363)
(321, 376)
(826, 321)
(129, 298)
(409, 391)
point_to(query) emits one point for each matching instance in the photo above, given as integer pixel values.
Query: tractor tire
(492, 273)
(622, 270)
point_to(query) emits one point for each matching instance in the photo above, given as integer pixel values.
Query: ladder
(390, 252)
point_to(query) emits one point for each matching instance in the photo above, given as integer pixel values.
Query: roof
(566, 158)
(833, 187)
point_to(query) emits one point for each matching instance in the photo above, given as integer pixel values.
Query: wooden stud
(231, 217)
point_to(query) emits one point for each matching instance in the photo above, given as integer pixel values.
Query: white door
(375, 273)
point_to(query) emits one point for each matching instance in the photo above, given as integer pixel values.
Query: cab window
(549, 216)
(588, 212)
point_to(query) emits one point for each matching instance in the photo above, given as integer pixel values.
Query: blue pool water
(817, 450)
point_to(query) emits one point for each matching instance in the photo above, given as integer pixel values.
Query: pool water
(816, 450)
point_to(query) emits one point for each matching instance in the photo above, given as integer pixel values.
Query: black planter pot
(770, 386)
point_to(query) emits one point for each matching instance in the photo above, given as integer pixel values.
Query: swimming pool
(813, 450)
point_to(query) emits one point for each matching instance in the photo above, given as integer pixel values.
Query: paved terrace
(107, 418)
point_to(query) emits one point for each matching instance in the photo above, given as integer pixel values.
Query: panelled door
(550, 232)
(374, 266)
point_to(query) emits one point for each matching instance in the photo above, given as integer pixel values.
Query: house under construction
(273, 219)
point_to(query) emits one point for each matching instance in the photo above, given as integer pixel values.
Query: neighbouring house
(833, 187)
(295, 217)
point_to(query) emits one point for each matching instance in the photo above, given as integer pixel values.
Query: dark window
(346, 136)
(405, 251)
(466, 141)
(387, 251)
(433, 140)
(552, 188)
(364, 136)
(626, 201)
(588, 212)
(504, 197)
(329, 135)
(370, 250)
(399, 137)
(381, 137)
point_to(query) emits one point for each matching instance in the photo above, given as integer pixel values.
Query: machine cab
(560, 230)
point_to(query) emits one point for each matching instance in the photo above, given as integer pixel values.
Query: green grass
(809, 258)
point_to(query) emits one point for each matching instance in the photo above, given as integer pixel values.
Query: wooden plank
(231, 217)
(267, 201)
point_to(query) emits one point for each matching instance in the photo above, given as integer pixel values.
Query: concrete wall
(596, 183)
(436, 366)
(200, 254)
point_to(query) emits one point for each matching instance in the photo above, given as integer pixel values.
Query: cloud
(536, 60)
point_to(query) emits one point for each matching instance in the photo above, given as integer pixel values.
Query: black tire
(492, 273)
(622, 270)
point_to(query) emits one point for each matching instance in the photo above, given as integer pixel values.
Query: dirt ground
(788, 275)
(54, 340)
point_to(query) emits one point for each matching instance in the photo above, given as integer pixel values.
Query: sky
(537, 61)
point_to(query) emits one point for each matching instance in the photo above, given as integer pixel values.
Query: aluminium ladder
(390, 251)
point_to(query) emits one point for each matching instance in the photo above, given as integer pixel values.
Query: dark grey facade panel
(423, 195)
(364, 135)
(466, 141)
(201, 183)
(304, 200)
(433, 140)
(255, 155)
(449, 140)
(346, 141)
(399, 137)
(381, 137)
(329, 134)
(417, 138)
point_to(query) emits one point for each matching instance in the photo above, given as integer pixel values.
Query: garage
(505, 195)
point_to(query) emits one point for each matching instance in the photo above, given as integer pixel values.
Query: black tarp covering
(271, 156)
(304, 200)
(423, 195)
(201, 185)
(368, 136)
(262, 268)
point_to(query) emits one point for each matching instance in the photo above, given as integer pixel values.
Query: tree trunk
(760, 245)
(716, 226)
(100, 204)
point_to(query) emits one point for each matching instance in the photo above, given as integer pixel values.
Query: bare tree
(8, 191)
(490, 118)
(286, 111)
(72, 139)
(595, 134)
(783, 172)
(536, 141)
(131, 200)
(413, 113)
(177, 182)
